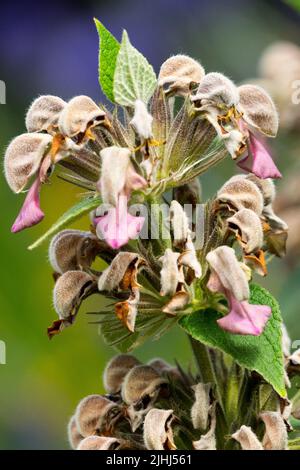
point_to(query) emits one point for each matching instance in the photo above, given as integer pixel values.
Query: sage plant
(169, 258)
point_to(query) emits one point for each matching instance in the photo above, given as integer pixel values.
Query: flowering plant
(168, 257)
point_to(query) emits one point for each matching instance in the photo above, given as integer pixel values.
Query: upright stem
(205, 367)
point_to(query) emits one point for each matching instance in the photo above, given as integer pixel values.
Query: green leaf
(134, 76)
(262, 354)
(72, 214)
(108, 52)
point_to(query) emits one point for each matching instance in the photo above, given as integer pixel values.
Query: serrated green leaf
(134, 77)
(72, 214)
(262, 354)
(108, 52)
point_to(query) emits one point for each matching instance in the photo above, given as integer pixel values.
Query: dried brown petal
(201, 408)
(180, 72)
(158, 434)
(113, 276)
(96, 414)
(240, 193)
(248, 440)
(258, 109)
(224, 263)
(189, 259)
(99, 443)
(23, 158)
(169, 274)
(116, 370)
(43, 113)
(275, 437)
(247, 226)
(127, 311)
(80, 114)
(208, 441)
(74, 435)
(73, 249)
(177, 303)
(189, 193)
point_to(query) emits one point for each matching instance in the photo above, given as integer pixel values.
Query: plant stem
(205, 367)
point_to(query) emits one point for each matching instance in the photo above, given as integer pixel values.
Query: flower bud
(142, 381)
(248, 228)
(96, 414)
(201, 407)
(115, 163)
(73, 250)
(158, 434)
(142, 120)
(217, 90)
(179, 222)
(247, 439)
(179, 73)
(74, 435)
(23, 158)
(240, 193)
(80, 114)
(99, 443)
(116, 370)
(224, 263)
(258, 109)
(169, 274)
(43, 113)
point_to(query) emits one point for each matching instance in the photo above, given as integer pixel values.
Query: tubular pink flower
(245, 318)
(261, 164)
(118, 226)
(30, 213)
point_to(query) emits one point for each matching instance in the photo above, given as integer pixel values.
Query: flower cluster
(160, 407)
(153, 150)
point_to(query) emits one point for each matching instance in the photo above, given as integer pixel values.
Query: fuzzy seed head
(44, 113)
(217, 90)
(80, 114)
(71, 250)
(240, 193)
(258, 109)
(92, 414)
(23, 158)
(179, 72)
(68, 292)
(116, 370)
(141, 381)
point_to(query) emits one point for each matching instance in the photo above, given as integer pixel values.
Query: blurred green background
(52, 48)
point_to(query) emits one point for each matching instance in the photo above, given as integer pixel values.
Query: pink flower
(228, 278)
(118, 226)
(118, 180)
(261, 164)
(30, 213)
(244, 318)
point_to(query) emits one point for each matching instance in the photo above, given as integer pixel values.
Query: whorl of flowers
(156, 406)
(167, 256)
